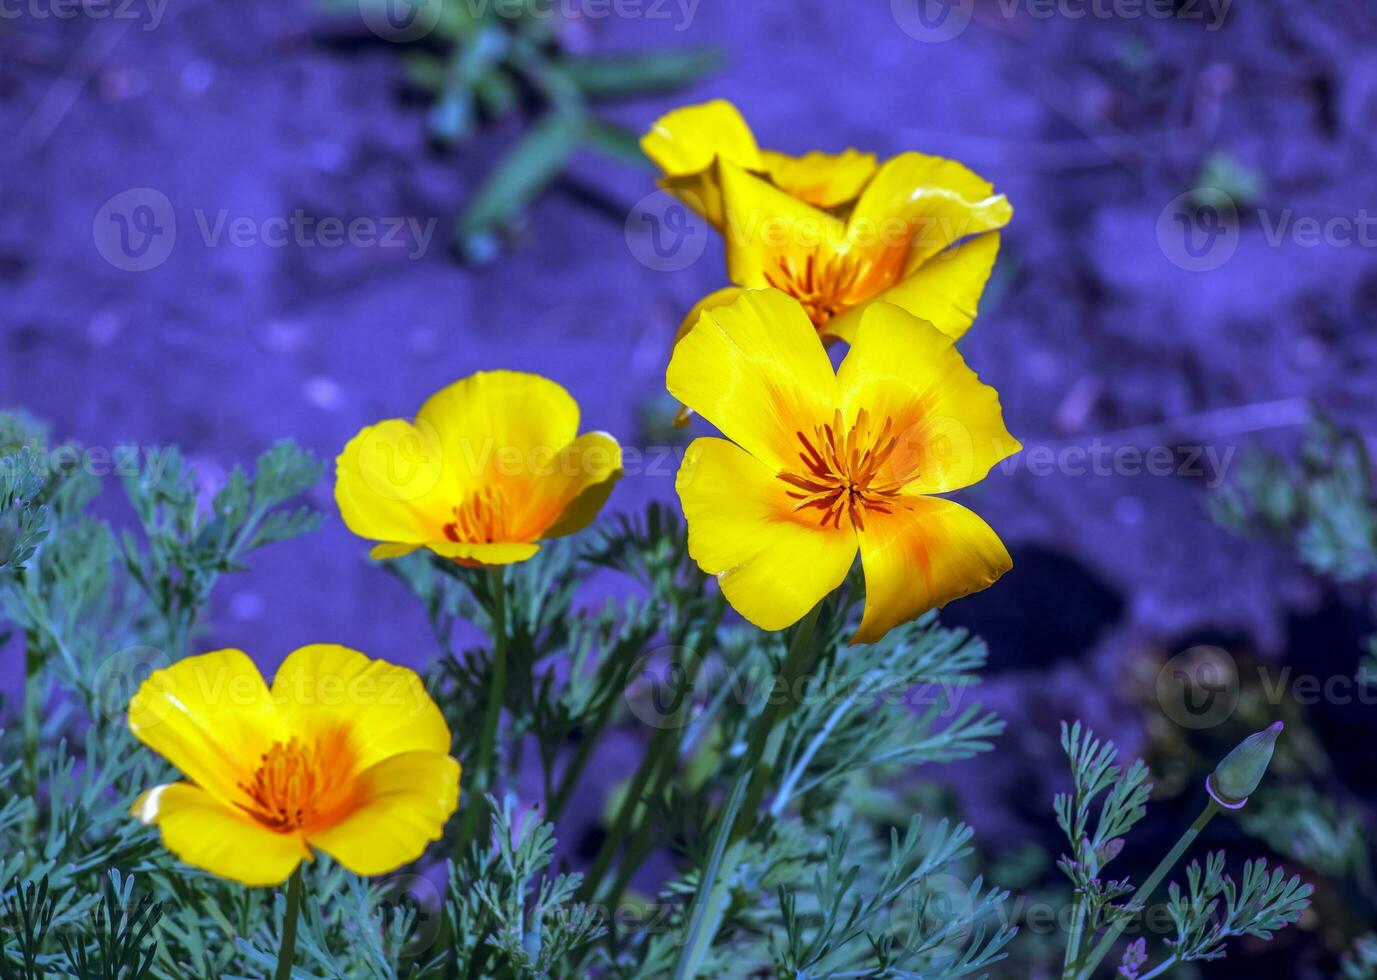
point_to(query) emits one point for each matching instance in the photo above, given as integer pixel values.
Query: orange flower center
(830, 286)
(293, 785)
(481, 519)
(841, 472)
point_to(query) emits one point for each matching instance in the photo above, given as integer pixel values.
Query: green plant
(490, 60)
(792, 856)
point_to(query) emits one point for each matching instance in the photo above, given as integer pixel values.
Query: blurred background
(226, 224)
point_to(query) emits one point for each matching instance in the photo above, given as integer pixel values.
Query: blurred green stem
(32, 728)
(746, 792)
(659, 755)
(1144, 893)
(475, 819)
(284, 955)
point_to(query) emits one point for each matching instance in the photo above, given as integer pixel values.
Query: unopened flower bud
(1235, 778)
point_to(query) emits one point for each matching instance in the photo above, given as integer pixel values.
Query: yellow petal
(687, 140)
(945, 290)
(211, 716)
(686, 143)
(922, 555)
(773, 564)
(936, 201)
(949, 425)
(206, 834)
(756, 370)
(324, 689)
(501, 426)
(381, 551)
(823, 179)
(764, 228)
(588, 469)
(722, 297)
(402, 805)
(485, 553)
(390, 483)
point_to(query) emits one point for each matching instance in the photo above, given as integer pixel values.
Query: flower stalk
(1102, 948)
(289, 919)
(748, 785)
(474, 821)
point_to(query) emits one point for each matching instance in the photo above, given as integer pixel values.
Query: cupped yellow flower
(836, 232)
(491, 466)
(686, 143)
(344, 754)
(822, 464)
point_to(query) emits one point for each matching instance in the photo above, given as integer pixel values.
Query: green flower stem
(659, 756)
(590, 737)
(1160, 968)
(1075, 939)
(35, 690)
(657, 768)
(284, 955)
(749, 784)
(475, 813)
(1140, 901)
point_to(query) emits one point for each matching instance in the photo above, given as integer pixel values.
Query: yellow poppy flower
(835, 232)
(822, 464)
(491, 466)
(344, 754)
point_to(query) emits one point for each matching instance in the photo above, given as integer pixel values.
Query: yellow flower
(491, 466)
(836, 232)
(344, 754)
(823, 463)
